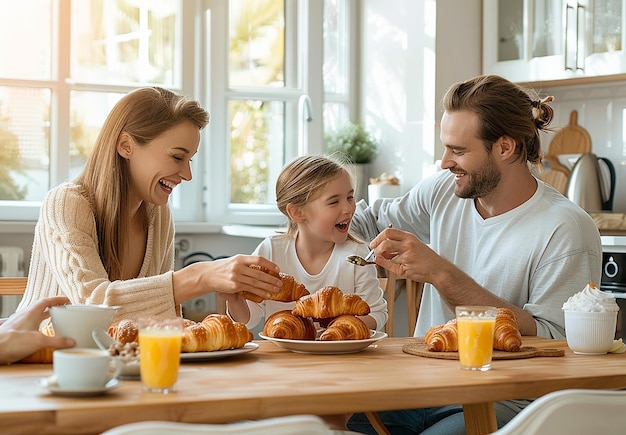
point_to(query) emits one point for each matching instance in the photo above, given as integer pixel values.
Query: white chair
(290, 425)
(571, 412)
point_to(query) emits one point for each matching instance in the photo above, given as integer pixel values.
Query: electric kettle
(588, 187)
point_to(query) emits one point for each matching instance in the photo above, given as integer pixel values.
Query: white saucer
(51, 385)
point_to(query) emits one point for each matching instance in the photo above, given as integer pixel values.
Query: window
(271, 73)
(84, 55)
(284, 77)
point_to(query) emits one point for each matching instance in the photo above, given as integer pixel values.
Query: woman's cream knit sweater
(65, 260)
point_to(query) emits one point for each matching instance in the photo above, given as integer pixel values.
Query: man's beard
(481, 182)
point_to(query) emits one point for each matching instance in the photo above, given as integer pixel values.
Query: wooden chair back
(10, 286)
(413, 296)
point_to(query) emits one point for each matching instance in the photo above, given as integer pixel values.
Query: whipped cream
(591, 299)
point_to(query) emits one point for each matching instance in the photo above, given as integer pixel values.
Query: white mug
(84, 368)
(78, 321)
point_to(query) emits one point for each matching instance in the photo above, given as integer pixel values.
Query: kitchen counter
(610, 224)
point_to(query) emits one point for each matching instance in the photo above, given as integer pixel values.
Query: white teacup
(78, 321)
(84, 368)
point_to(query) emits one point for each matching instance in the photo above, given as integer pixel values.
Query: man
(486, 231)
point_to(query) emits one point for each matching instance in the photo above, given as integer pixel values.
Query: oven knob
(611, 268)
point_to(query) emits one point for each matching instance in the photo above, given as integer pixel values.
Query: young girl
(317, 196)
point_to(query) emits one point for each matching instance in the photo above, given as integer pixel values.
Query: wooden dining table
(271, 381)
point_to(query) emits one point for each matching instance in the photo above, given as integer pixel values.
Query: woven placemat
(420, 349)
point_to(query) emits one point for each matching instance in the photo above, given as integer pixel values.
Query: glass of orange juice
(159, 353)
(475, 325)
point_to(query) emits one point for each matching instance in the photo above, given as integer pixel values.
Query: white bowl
(590, 333)
(78, 321)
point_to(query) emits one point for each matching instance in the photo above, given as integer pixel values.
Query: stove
(613, 264)
(614, 276)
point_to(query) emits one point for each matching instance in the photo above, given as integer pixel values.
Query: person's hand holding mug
(20, 335)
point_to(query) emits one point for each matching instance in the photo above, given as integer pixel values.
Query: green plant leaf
(352, 141)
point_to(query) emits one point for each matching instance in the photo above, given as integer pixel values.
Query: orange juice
(475, 342)
(159, 358)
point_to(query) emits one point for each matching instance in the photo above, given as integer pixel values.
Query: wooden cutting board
(419, 348)
(571, 139)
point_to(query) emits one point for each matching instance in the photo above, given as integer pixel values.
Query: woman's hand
(20, 335)
(227, 276)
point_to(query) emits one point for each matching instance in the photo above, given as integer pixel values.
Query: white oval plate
(326, 347)
(51, 385)
(217, 354)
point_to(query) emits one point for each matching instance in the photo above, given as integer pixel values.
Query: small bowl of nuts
(127, 353)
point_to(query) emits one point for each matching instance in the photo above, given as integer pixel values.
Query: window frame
(304, 19)
(204, 76)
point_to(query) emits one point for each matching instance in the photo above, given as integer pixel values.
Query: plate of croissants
(342, 331)
(216, 336)
(326, 347)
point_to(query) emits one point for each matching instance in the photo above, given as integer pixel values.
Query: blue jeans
(446, 420)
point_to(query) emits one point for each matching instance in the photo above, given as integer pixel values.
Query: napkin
(618, 346)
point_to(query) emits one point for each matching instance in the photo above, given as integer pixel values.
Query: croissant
(443, 338)
(330, 302)
(215, 332)
(42, 356)
(346, 327)
(125, 331)
(291, 289)
(283, 324)
(506, 335)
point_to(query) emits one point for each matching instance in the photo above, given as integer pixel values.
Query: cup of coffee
(84, 368)
(78, 321)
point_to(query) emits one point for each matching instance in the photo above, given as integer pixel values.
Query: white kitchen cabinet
(534, 40)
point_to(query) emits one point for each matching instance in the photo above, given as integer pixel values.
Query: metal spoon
(360, 261)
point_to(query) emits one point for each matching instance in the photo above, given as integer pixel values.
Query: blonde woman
(108, 236)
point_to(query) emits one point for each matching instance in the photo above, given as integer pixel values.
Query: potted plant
(355, 143)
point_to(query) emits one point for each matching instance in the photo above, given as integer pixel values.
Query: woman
(108, 236)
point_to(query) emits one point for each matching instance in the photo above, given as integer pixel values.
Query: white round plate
(326, 347)
(217, 354)
(51, 385)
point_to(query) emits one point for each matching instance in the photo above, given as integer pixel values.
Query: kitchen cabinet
(538, 40)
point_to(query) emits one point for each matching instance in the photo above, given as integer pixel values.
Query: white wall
(403, 81)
